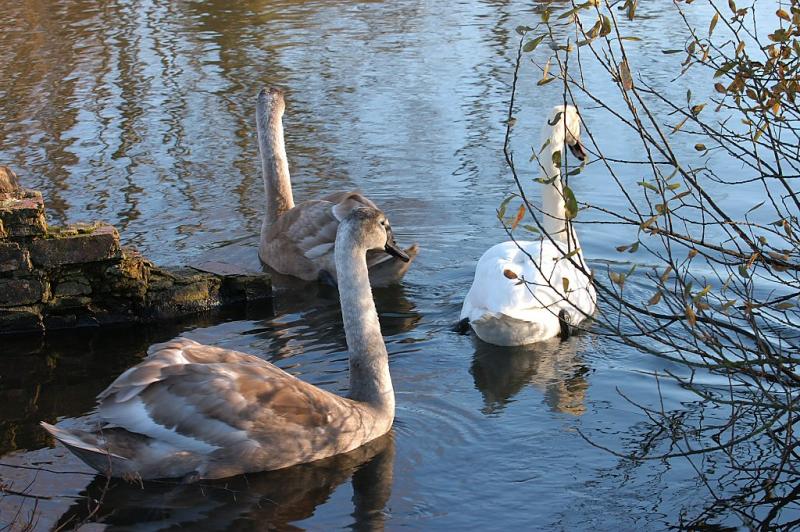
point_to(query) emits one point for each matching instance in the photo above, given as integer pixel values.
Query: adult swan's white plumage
(524, 291)
(195, 411)
(298, 240)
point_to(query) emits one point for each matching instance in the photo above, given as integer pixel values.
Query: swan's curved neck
(370, 381)
(274, 165)
(553, 207)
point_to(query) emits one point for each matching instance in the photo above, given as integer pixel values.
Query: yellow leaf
(713, 24)
(655, 299)
(690, 316)
(625, 75)
(518, 217)
(680, 125)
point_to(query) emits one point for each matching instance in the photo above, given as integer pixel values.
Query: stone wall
(80, 275)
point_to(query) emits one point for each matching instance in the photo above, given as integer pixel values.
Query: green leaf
(565, 284)
(531, 228)
(575, 171)
(724, 69)
(605, 29)
(557, 158)
(743, 271)
(571, 12)
(532, 44)
(751, 209)
(501, 212)
(647, 185)
(570, 203)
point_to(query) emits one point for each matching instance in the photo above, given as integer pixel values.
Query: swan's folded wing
(201, 406)
(345, 202)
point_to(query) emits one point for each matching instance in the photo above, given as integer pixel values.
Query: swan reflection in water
(310, 319)
(552, 366)
(269, 500)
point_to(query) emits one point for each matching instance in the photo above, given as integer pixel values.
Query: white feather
(133, 416)
(319, 250)
(524, 309)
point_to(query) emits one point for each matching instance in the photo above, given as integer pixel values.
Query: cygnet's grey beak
(577, 150)
(393, 250)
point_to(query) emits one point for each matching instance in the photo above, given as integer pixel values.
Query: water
(141, 114)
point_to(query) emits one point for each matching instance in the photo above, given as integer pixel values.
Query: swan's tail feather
(88, 448)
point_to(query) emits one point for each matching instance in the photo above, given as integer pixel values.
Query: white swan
(195, 411)
(298, 240)
(514, 301)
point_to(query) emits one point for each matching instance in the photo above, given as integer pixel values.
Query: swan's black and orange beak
(578, 150)
(393, 249)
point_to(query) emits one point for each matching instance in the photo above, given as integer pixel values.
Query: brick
(101, 244)
(23, 215)
(14, 258)
(72, 287)
(20, 319)
(8, 180)
(15, 292)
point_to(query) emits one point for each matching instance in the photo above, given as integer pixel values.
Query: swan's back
(518, 292)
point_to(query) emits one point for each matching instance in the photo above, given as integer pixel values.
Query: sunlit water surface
(141, 114)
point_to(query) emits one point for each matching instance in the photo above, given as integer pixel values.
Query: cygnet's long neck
(370, 381)
(554, 211)
(274, 165)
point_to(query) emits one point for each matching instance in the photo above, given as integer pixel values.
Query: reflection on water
(270, 500)
(141, 114)
(553, 367)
